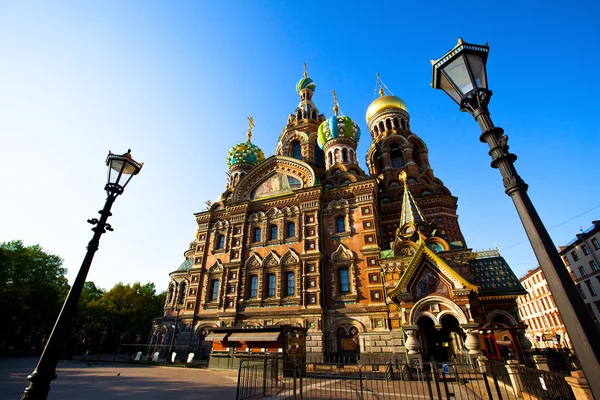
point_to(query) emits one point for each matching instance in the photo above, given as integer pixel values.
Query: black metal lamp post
(178, 307)
(461, 73)
(121, 168)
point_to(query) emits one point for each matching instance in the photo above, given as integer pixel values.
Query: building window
(374, 277)
(253, 286)
(312, 299)
(582, 271)
(274, 232)
(297, 151)
(574, 255)
(566, 260)
(290, 283)
(375, 295)
(214, 291)
(591, 288)
(344, 280)
(271, 287)
(221, 243)
(396, 156)
(581, 292)
(595, 244)
(585, 249)
(291, 229)
(340, 226)
(593, 266)
(257, 235)
(231, 289)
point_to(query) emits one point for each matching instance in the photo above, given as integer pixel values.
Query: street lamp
(121, 169)
(462, 75)
(178, 307)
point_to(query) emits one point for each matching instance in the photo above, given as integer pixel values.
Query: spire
(305, 71)
(250, 126)
(410, 209)
(336, 107)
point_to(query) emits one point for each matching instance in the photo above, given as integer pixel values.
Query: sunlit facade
(372, 261)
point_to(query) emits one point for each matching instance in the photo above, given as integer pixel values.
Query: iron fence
(273, 378)
(144, 354)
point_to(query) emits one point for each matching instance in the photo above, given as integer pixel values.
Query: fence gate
(273, 378)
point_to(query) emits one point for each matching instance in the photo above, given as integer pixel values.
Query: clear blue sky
(175, 81)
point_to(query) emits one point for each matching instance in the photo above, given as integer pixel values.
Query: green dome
(245, 152)
(305, 83)
(335, 127)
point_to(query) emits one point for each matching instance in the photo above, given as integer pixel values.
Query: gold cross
(336, 108)
(305, 71)
(250, 126)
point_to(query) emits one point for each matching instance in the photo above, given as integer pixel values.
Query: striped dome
(305, 83)
(337, 126)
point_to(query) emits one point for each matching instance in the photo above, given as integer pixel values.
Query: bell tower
(395, 149)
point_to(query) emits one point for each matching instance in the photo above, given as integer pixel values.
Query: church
(372, 262)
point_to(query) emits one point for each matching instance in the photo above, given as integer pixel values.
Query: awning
(254, 336)
(214, 336)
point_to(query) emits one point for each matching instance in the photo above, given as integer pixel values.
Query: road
(83, 381)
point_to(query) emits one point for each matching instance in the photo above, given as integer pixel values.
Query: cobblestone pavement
(83, 381)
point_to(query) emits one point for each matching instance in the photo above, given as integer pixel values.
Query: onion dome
(383, 103)
(337, 126)
(245, 152)
(305, 83)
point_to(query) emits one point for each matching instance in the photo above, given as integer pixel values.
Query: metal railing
(274, 378)
(144, 354)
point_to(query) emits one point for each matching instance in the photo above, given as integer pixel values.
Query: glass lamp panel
(459, 75)
(447, 87)
(115, 167)
(477, 66)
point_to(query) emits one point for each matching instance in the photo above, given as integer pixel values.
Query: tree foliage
(121, 315)
(33, 287)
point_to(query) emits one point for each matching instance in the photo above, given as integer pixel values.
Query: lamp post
(178, 308)
(121, 168)
(461, 73)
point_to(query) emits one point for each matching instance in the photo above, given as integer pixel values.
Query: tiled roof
(494, 277)
(186, 265)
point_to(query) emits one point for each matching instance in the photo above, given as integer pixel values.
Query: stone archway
(347, 341)
(442, 341)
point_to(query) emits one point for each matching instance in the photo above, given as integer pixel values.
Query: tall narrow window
(290, 283)
(257, 235)
(296, 151)
(183, 292)
(594, 266)
(344, 280)
(344, 155)
(340, 225)
(585, 249)
(596, 244)
(253, 286)
(291, 229)
(274, 232)
(271, 288)
(575, 256)
(582, 271)
(221, 242)
(591, 288)
(214, 295)
(396, 156)
(581, 292)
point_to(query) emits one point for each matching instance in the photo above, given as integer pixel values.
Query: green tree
(85, 327)
(124, 314)
(33, 287)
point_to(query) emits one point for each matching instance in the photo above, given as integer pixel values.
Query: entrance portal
(347, 344)
(441, 342)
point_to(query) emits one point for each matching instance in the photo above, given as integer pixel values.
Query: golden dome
(383, 103)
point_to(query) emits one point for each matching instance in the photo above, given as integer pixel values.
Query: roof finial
(336, 107)
(250, 126)
(305, 71)
(380, 84)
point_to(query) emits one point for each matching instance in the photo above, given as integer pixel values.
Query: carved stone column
(412, 343)
(472, 342)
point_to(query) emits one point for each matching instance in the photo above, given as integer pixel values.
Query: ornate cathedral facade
(373, 262)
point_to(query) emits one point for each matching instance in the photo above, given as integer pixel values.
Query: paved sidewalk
(82, 381)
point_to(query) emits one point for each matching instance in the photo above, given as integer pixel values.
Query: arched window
(344, 155)
(290, 283)
(296, 151)
(344, 280)
(214, 290)
(221, 243)
(340, 225)
(291, 232)
(182, 292)
(253, 286)
(274, 232)
(330, 158)
(257, 235)
(396, 156)
(271, 286)
(319, 156)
